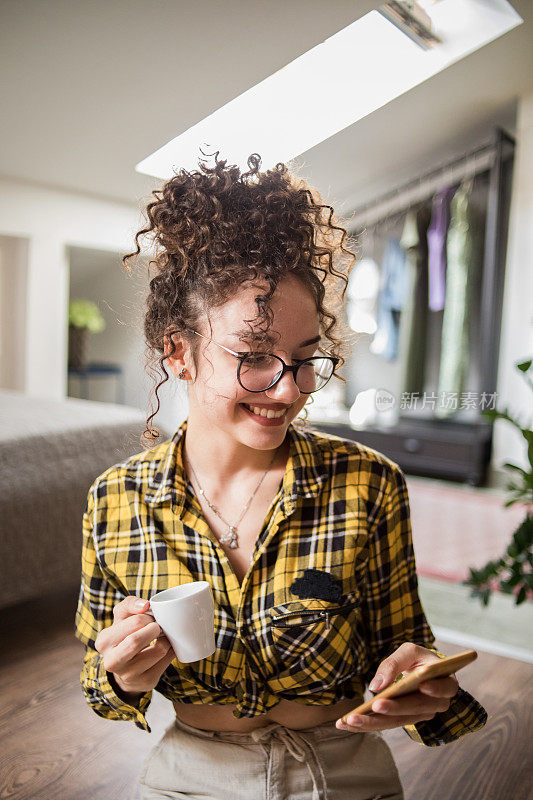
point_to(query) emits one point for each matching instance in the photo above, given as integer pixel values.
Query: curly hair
(215, 229)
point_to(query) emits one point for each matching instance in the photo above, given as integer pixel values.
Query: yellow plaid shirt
(331, 589)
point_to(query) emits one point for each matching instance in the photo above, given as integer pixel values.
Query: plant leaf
(516, 467)
(521, 596)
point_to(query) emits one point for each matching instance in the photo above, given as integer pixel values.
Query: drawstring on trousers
(301, 749)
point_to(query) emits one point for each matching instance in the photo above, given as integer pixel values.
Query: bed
(50, 453)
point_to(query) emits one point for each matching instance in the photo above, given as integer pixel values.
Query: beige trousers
(269, 763)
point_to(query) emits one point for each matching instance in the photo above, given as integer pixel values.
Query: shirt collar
(304, 474)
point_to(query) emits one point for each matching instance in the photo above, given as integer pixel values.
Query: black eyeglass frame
(286, 367)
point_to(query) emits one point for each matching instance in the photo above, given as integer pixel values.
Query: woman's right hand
(135, 667)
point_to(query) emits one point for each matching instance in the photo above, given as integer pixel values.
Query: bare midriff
(219, 717)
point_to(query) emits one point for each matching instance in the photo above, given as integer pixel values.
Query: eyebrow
(307, 342)
(311, 341)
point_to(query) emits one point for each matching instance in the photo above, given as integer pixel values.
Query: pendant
(230, 537)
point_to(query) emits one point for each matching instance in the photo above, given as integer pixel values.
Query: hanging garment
(361, 296)
(437, 234)
(392, 298)
(413, 323)
(462, 252)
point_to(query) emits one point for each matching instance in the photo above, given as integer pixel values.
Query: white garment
(361, 295)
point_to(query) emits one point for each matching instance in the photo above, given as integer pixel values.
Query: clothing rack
(435, 447)
(467, 165)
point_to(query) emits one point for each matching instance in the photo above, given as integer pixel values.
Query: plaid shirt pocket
(313, 641)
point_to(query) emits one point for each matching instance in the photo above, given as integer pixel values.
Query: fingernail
(376, 683)
(139, 603)
(355, 721)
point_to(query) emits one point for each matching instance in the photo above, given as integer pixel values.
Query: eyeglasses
(258, 372)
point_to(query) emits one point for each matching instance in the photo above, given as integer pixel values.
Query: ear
(177, 361)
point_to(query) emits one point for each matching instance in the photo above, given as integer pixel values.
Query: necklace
(231, 536)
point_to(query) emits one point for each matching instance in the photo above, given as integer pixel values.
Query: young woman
(305, 538)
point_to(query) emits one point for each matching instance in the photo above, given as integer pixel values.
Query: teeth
(263, 412)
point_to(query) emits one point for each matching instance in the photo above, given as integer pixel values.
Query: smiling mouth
(269, 413)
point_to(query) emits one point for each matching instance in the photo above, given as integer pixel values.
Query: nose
(285, 390)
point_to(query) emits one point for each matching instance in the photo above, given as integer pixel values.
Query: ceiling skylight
(348, 76)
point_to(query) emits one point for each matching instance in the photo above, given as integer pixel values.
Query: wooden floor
(54, 747)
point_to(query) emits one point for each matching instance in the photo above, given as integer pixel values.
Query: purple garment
(437, 232)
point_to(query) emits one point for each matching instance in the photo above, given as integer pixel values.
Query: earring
(182, 373)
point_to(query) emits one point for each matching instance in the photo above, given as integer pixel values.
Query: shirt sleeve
(395, 615)
(97, 598)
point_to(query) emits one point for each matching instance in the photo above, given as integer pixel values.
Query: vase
(77, 347)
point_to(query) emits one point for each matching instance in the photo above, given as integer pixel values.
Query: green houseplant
(84, 317)
(512, 573)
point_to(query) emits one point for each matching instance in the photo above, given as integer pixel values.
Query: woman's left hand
(433, 696)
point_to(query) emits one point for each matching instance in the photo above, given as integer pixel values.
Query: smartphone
(410, 681)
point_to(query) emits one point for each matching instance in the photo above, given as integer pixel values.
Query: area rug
(457, 527)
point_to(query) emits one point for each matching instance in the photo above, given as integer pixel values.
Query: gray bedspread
(50, 453)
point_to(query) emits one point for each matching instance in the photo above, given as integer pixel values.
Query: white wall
(13, 312)
(517, 321)
(51, 221)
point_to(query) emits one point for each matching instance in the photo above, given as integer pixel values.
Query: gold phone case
(410, 681)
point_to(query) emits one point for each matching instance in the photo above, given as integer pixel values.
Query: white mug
(186, 614)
